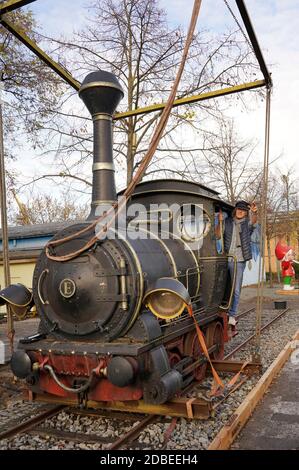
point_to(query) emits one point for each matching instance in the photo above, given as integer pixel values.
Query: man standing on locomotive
(238, 229)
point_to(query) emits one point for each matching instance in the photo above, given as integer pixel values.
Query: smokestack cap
(101, 92)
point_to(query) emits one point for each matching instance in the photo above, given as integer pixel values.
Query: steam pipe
(101, 93)
(103, 185)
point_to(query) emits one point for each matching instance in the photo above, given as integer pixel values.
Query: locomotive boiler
(113, 318)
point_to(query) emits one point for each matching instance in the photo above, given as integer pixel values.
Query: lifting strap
(218, 385)
(204, 348)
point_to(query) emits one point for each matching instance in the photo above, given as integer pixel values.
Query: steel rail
(230, 392)
(250, 338)
(31, 423)
(133, 433)
(33, 428)
(168, 432)
(74, 436)
(242, 314)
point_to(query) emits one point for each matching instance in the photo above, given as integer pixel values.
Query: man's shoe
(232, 322)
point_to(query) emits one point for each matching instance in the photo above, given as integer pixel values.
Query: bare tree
(133, 39)
(29, 90)
(290, 197)
(30, 87)
(43, 209)
(228, 161)
(281, 216)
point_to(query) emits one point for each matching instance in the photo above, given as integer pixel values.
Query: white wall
(251, 273)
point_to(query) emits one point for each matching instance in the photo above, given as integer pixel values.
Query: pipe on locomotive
(101, 93)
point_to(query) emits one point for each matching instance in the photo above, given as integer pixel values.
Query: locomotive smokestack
(101, 93)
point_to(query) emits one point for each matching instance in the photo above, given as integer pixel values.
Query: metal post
(11, 5)
(260, 288)
(192, 99)
(66, 76)
(19, 33)
(5, 247)
(253, 38)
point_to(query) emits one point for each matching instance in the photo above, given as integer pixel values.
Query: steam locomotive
(113, 319)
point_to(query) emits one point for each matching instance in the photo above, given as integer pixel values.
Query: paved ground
(275, 423)
(249, 296)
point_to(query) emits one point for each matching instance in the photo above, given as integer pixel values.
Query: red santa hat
(281, 250)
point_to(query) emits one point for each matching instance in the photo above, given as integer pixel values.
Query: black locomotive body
(109, 330)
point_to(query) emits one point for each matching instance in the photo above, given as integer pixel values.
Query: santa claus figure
(286, 255)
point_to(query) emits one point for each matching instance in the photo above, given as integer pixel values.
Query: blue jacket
(245, 236)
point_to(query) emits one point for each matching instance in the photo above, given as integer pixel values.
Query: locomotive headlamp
(167, 299)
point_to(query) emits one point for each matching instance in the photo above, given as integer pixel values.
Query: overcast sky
(277, 27)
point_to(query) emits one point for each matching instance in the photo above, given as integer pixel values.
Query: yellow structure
(21, 272)
(25, 245)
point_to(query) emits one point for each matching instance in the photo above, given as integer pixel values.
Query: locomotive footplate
(121, 346)
(78, 348)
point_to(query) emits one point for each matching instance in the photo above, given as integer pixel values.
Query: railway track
(245, 312)
(242, 340)
(36, 426)
(232, 428)
(30, 423)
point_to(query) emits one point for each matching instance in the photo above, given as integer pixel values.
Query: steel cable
(260, 287)
(239, 26)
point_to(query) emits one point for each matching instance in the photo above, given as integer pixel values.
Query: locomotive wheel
(215, 336)
(193, 349)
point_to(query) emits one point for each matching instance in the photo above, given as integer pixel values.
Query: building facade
(25, 244)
